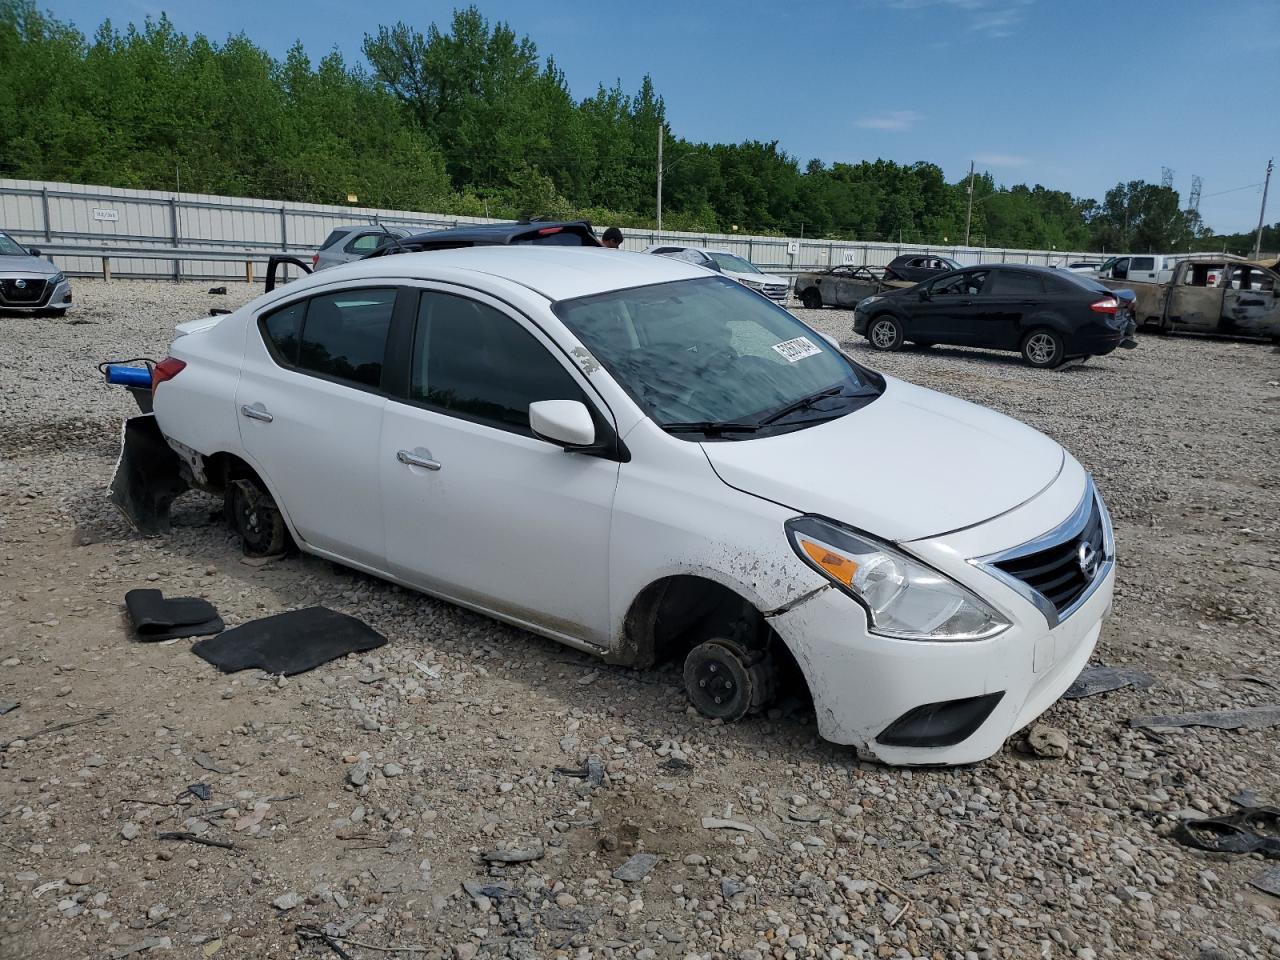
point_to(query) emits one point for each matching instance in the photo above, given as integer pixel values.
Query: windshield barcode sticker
(797, 349)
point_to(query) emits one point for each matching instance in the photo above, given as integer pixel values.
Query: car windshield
(10, 247)
(727, 261)
(709, 356)
(951, 264)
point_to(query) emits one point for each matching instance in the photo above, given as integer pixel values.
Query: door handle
(256, 411)
(412, 459)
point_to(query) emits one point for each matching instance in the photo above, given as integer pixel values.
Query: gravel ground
(418, 797)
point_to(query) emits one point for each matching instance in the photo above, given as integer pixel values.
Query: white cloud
(893, 120)
(1000, 160)
(989, 18)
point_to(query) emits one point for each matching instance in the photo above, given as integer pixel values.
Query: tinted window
(1082, 280)
(1012, 282)
(282, 328)
(1142, 263)
(561, 238)
(344, 335)
(367, 243)
(476, 362)
(962, 285)
(333, 238)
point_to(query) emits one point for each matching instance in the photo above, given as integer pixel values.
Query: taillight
(547, 231)
(1105, 305)
(166, 369)
(315, 260)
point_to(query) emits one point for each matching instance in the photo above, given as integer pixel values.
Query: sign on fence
(100, 214)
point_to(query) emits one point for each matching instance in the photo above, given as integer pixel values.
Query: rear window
(560, 238)
(333, 238)
(1014, 282)
(1082, 280)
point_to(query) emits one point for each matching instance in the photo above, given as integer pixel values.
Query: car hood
(765, 278)
(27, 266)
(912, 464)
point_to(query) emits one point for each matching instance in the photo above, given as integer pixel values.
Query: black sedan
(1047, 315)
(917, 267)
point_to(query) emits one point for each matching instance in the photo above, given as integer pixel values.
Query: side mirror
(34, 251)
(924, 293)
(564, 422)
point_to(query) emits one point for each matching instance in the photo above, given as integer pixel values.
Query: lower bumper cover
(862, 683)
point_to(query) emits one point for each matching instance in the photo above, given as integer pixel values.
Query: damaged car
(647, 462)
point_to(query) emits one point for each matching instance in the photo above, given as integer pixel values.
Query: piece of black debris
(156, 618)
(1248, 718)
(1254, 678)
(195, 838)
(676, 765)
(221, 291)
(1268, 881)
(8, 706)
(289, 643)
(1099, 679)
(1248, 830)
(200, 791)
(636, 868)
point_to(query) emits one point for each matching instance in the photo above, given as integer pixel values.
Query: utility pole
(968, 214)
(1262, 214)
(661, 131)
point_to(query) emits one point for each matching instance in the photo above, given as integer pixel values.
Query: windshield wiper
(802, 403)
(710, 426)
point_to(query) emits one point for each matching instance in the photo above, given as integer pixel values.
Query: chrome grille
(1059, 572)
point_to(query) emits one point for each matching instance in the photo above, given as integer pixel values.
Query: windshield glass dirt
(711, 351)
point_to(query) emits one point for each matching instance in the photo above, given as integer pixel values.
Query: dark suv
(916, 267)
(566, 233)
(1048, 315)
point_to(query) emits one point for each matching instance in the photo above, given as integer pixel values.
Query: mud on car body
(646, 461)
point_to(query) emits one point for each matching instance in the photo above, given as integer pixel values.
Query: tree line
(473, 120)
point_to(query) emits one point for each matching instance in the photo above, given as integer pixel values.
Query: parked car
(570, 233)
(1150, 267)
(1048, 315)
(29, 284)
(345, 244)
(644, 461)
(842, 286)
(730, 264)
(917, 267)
(1081, 266)
(1212, 295)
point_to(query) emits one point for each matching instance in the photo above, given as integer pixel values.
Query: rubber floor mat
(156, 618)
(289, 643)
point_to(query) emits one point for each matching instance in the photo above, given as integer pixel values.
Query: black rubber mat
(157, 618)
(289, 643)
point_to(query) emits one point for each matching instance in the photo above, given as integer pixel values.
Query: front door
(950, 314)
(1196, 301)
(477, 508)
(310, 402)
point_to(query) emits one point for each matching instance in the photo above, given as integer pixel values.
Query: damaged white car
(638, 459)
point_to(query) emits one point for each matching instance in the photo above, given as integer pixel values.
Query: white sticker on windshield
(797, 349)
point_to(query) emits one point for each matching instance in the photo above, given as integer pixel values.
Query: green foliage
(473, 121)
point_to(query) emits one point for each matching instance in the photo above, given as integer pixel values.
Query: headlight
(903, 598)
(57, 278)
(863, 303)
(754, 285)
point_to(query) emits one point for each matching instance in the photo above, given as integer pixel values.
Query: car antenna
(394, 239)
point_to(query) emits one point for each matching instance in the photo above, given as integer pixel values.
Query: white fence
(95, 218)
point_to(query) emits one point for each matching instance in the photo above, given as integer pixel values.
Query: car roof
(492, 233)
(555, 272)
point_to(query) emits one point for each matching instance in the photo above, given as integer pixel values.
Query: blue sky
(1075, 95)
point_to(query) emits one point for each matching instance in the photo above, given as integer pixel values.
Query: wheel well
(220, 469)
(672, 615)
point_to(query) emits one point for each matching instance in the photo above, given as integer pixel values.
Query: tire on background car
(812, 299)
(885, 333)
(1043, 348)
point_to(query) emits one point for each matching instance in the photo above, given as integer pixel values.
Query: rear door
(951, 313)
(1007, 298)
(1249, 305)
(1144, 269)
(477, 508)
(310, 399)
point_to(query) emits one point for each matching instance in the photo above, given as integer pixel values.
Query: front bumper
(52, 297)
(864, 684)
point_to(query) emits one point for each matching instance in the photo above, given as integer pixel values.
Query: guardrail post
(173, 222)
(106, 268)
(44, 203)
(248, 271)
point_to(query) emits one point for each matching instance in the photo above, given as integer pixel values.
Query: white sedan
(645, 461)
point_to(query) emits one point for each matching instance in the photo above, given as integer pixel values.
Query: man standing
(613, 238)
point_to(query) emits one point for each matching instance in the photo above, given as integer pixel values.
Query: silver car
(345, 244)
(29, 284)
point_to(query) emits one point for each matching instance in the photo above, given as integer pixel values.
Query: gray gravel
(412, 797)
